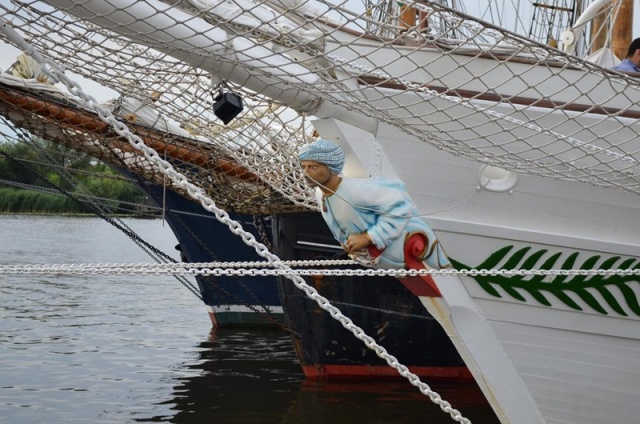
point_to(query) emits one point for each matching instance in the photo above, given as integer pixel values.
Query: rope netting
(446, 78)
(449, 79)
(248, 166)
(235, 227)
(234, 175)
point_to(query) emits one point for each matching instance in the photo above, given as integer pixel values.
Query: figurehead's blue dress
(381, 207)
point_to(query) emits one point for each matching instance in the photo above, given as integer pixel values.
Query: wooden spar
(600, 29)
(622, 31)
(66, 117)
(189, 156)
(407, 16)
(69, 118)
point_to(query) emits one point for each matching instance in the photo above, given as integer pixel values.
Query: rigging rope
(151, 250)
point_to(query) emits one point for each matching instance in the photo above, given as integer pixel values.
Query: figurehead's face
(315, 173)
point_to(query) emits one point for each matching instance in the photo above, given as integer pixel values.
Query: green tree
(37, 159)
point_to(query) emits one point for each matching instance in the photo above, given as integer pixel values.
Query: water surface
(114, 349)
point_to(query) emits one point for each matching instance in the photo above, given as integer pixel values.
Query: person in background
(632, 62)
(370, 217)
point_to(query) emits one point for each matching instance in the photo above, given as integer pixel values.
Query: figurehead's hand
(357, 242)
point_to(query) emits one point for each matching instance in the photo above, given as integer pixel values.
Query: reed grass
(26, 201)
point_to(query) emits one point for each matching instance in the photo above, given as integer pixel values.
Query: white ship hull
(571, 361)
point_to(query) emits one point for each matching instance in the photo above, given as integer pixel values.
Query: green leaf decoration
(548, 264)
(486, 286)
(609, 263)
(495, 258)
(568, 264)
(630, 297)
(514, 260)
(590, 300)
(561, 287)
(608, 297)
(539, 297)
(511, 291)
(627, 264)
(567, 300)
(532, 260)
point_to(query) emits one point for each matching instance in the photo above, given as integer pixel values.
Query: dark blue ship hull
(230, 301)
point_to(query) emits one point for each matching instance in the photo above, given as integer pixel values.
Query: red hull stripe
(349, 372)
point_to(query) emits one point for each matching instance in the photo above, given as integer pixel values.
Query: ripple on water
(116, 349)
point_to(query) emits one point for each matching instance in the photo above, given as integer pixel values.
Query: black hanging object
(227, 106)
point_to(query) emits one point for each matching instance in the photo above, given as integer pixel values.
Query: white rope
(56, 72)
(243, 269)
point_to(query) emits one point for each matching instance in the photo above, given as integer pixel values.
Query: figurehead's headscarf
(325, 152)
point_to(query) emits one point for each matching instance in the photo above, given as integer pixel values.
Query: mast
(600, 26)
(618, 33)
(407, 16)
(410, 17)
(599, 15)
(622, 31)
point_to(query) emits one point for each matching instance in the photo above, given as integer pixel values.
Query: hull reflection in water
(252, 376)
(245, 376)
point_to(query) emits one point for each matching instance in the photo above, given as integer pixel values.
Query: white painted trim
(511, 235)
(243, 308)
(328, 246)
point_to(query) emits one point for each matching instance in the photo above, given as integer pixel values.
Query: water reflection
(117, 349)
(386, 402)
(252, 376)
(242, 376)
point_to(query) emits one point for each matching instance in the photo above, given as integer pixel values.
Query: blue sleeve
(625, 66)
